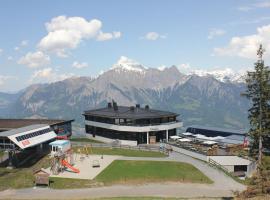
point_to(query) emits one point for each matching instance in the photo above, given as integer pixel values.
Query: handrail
(139, 125)
(212, 162)
(101, 145)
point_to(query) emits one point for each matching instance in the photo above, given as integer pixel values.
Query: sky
(46, 41)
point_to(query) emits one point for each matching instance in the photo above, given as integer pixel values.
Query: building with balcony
(143, 125)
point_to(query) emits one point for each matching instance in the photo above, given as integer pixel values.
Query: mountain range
(201, 98)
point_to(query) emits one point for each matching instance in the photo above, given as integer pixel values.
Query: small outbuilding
(42, 177)
(234, 164)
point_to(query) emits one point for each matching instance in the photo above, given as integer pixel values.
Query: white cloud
(24, 43)
(153, 36)
(244, 8)
(108, 36)
(68, 32)
(78, 65)
(215, 33)
(16, 48)
(246, 46)
(4, 79)
(1, 51)
(48, 75)
(10, 58)
(260, 4)
(35, 59)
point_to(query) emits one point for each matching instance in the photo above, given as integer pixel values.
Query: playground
(87, 167)
(77, 165)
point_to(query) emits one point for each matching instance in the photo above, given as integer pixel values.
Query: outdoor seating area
(202, 144)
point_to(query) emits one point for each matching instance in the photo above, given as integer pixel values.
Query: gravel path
(223, 186)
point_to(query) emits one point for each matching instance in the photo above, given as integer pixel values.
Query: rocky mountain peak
(127, 64)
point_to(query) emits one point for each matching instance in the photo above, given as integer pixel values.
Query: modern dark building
(134, 123)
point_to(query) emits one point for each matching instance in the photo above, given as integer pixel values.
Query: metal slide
(66, 164)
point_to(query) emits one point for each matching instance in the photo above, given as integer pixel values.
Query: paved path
(223, 186)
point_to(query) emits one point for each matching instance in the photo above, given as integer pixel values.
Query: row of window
(131, 121)
(34, 134)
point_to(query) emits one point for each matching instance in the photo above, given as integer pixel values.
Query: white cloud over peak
(35, 59)
(68, 32)
(215, 33)
(79, 65)
(48, 75)
(246, 46)
(153, 36)
(4, 79)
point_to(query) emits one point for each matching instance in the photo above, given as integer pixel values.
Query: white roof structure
(187, 133)
(175, 137)
(200, 136)
(29, 136)
(209, 142)
(230, 160)
(184, 140)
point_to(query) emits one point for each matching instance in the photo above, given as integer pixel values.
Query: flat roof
(240, 132)
(8, 124)
(230, 160)
(22, 129)
(126, 112)
(59, 142)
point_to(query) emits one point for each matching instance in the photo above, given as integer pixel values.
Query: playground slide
(66, 164)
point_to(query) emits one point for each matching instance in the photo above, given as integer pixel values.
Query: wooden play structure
(62, 157)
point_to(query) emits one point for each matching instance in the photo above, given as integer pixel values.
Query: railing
(139, 125)
(101, 145)
(214, 163)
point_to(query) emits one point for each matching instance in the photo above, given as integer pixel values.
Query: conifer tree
(258, 91)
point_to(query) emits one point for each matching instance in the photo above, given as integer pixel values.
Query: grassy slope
(118, 151)
(20, 177)
(85, 140)
(121, 171)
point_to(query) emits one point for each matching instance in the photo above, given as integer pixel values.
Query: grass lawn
(121, 152)
(20, 177)
(68, 183)
(121, 171)
(1, 153)
(85, 140)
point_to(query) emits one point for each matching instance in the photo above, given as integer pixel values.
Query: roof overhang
(33, 141)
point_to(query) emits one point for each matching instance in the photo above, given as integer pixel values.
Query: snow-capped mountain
(127, 64)
(223, 75)
(199, 98)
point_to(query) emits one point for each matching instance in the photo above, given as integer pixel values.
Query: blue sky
(83, 38)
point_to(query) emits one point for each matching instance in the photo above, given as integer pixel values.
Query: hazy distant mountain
(198, 98)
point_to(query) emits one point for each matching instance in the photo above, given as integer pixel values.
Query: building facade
(143, 125)
(25, 133)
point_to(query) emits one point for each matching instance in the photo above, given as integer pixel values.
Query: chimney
(147, 107)
(137, 105)
(109, 105)
(115, 107)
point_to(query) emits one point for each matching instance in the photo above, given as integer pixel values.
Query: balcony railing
(139, 125)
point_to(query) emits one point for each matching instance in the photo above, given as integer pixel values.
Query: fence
(103, 145)
(189, 153)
